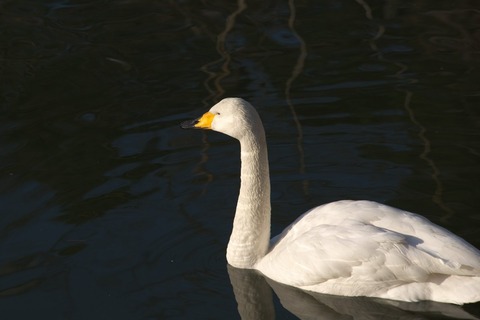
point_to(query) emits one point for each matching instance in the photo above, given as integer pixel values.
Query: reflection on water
(253, 294)
(254, 298)
(107, 205)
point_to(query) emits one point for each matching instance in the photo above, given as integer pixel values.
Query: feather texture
(350, 248)
(363, 248)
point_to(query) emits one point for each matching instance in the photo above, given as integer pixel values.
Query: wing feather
(368, 243)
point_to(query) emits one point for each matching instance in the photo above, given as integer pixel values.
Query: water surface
(110, 210)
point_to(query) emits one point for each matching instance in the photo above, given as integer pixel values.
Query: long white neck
(250, 236)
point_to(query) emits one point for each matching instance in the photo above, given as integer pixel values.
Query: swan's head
(232, 116)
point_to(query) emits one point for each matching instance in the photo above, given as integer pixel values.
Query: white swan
(350, 248)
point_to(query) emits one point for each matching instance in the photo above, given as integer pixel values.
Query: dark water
(110, 211)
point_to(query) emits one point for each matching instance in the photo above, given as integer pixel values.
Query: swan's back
(368, 249)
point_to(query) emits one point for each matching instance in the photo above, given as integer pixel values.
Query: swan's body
(351, 248)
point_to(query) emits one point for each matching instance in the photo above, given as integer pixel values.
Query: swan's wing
(325, 252)
(423, 234)
(351, 240)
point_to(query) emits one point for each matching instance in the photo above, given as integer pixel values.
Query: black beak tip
(189, 124)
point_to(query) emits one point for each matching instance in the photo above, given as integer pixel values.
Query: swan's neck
(251, 227)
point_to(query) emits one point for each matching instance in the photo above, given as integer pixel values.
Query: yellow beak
(204, 122)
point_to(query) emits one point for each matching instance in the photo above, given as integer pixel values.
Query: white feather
(351, 248)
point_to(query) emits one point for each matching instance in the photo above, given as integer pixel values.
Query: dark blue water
(110, 211)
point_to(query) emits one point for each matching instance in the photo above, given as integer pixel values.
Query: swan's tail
(452, 289)
(457, 289)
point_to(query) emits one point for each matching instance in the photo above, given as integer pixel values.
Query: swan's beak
(204, 122)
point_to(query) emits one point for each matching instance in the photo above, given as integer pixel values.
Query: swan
(347, 248)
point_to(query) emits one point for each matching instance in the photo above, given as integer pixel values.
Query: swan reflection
(253, 293)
